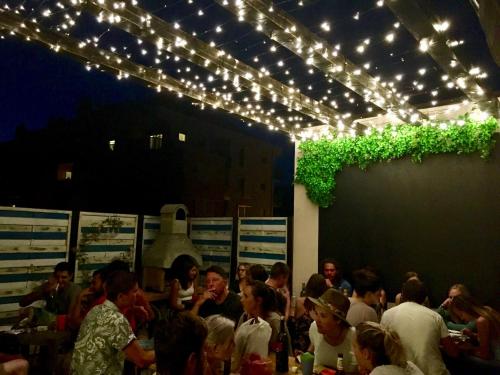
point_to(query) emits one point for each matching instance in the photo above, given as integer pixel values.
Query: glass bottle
(282, 349)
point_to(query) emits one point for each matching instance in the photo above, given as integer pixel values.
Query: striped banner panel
(32, 242)
(212, 236)
(103, 237)
(150, 229)
(262, 240)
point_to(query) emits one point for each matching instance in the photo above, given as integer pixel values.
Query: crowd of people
(222, 326)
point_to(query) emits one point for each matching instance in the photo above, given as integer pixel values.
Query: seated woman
(379, 351)
(301, 319)
(183, 286)
(331, 334)
(487, 324)
(219, 344)
(238, 284)
(451, 320)
(253, 335)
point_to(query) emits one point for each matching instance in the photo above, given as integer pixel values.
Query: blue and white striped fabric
(32, 242)
(212, 236)
(150, 229)
(262, 240)
(100, 241)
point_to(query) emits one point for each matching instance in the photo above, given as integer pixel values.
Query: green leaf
(321, 160)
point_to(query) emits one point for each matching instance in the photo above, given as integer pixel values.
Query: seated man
(179, 344)
(330, 333)
(332, 272)
(88, 298)
(422, 331)
(105, 336)
(366, 294)
(58, 292)
(217, 298)
(140, 311)
(278, 280)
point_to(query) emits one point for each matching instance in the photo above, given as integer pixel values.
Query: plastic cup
(307, 361)
(61, 322)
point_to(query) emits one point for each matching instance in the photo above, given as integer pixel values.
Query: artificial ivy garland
(321, 160)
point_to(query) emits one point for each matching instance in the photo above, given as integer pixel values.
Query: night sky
(38, 84)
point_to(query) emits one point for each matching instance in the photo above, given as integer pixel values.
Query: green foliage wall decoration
(320, 161)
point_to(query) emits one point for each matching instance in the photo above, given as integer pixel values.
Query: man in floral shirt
(106, 338)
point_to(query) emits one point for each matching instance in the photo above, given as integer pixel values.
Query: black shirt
(231, 307)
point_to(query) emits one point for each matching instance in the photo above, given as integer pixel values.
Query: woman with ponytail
(487, 324)
(379, 351)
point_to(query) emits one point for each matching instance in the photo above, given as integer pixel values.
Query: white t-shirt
(420, 330)
(360, 312)
(326, 354)
(251, 337)
(410, 369)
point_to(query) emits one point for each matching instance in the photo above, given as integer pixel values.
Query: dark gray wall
(440, 218)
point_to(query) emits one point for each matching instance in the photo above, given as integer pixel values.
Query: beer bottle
(282, 349)
(340, 364)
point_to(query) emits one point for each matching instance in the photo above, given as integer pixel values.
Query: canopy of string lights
(290, 64)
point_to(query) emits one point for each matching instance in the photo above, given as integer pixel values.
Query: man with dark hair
(332, 271)
(88, 298)
(217, 298)
(105, 336)
(421, 330)
(366, 294)
(278, 277)
(278, 280)
(179, 343)
(58, 291)
(257, 272)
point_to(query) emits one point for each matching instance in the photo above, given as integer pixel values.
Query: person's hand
(141, 313)
(86, 294)
(207, 294)
(285, 292)
(329, 283)
(446, 303)
(50, 286)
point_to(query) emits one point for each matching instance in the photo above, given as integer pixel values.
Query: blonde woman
(487, 322)
(219, 344)
(379, 351)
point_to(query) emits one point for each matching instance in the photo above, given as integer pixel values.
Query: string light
(310, 54)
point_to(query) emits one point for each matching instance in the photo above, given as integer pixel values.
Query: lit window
(112, 144)
(155, 141)
(64, 171)
(182, 137)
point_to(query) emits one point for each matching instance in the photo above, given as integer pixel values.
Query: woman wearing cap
(330, 333)
(379, 351)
